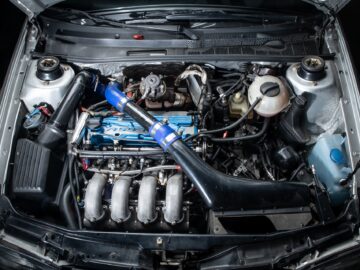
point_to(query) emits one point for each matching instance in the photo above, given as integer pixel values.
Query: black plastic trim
(99, 248)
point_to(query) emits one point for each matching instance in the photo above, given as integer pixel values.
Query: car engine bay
(178, 147)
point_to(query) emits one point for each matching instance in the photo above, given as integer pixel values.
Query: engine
(193, 148)
(145, 187)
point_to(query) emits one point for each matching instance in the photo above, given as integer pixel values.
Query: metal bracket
(52, 246)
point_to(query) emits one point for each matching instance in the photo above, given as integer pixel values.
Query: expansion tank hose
(220, 192)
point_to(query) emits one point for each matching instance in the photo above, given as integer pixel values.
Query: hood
(328, 5)
(32, 8)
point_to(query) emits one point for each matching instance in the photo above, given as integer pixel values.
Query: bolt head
(159, 241)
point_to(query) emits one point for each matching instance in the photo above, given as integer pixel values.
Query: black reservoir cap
(270, 89)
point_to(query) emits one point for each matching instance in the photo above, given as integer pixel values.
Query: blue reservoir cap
(337, 156)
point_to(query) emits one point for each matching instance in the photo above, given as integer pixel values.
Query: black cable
(71, 164)
(137, 175)
(235, 74)
(141, 171)
(191, 137)
(77, 182)
(236, 123)
(226, 84)
(209, 88)
(297, 170)
(322, 33)
(229, 91)
(215, 154)
(350, 175)
(263, 162)
(96, 105)
(203, 122)
(234, 87)
(247, 137)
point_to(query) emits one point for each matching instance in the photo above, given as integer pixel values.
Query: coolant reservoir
(46, 81)
(273, 93)
(315, 79)
(329, 159)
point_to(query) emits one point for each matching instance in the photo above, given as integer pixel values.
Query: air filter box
(36, 171)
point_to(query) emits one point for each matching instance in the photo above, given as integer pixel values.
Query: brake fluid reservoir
(314, 78)
(46, 81)
(329, 158)
(238, 105)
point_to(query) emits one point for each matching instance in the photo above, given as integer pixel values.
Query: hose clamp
(163, 134)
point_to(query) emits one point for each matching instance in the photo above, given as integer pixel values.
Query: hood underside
(32, 8)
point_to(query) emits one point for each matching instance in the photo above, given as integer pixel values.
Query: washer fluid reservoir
(46, 81)
(329, 158)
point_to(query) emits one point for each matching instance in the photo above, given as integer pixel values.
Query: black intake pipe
(228, 193)
(220, 192)
(55, 130)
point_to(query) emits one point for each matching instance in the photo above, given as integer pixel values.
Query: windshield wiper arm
(99, 20)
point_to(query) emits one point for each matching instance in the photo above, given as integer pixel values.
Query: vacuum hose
(220, 192)
(67, 209)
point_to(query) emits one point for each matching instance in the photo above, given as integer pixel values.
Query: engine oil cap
(337, 156)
